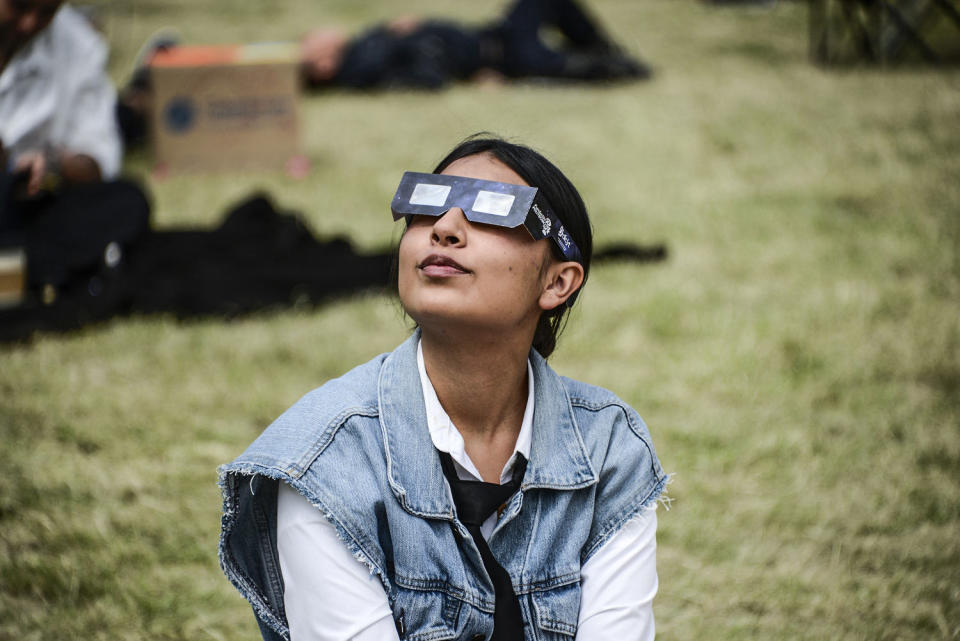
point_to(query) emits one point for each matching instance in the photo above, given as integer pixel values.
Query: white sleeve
(88, 124)
(619, 582)
(328, 594)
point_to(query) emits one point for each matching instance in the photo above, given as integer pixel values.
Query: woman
(457, 488)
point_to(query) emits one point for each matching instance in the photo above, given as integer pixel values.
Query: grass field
(797, 357)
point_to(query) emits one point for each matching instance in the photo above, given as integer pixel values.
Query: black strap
(475, 502)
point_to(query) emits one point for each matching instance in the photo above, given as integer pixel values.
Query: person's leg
(10, 224)
(135, 98)
(524, 53)
(132, 123)
(82, 227)
(567, 16)
(591, 56)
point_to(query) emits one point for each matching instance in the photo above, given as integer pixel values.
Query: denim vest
(358, 448)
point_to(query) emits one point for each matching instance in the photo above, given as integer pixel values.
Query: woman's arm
(618, 584)
(328, 594)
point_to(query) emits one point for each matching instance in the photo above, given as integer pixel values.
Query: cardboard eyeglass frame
(421, 194)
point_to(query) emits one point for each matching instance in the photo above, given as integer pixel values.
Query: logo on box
(180, 114)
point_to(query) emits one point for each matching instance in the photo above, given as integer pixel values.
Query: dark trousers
(524, 53)
(67, 232)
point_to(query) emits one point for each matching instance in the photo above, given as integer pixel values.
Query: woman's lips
(438, 265)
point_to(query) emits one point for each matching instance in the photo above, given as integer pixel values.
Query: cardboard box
(225, 107)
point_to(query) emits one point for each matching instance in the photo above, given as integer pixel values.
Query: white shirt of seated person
(55, 94)
(331, 596)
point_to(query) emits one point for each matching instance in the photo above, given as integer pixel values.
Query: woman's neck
(482, 385)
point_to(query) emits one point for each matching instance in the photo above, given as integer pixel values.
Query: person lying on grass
(411, 52)
(457, 487)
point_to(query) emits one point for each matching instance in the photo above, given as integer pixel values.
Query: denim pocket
(557, 611)
(429, 615)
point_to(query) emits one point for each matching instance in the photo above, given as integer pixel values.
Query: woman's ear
(561, 281)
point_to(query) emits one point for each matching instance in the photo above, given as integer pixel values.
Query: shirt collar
(558, 456)
(447, 438)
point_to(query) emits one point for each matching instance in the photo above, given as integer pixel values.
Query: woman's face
(454, 272)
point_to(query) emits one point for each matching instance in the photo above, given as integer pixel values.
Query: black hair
(561, 196)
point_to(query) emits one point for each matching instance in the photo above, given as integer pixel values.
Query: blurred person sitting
(413, 53)
(56, 101)
(62, 149)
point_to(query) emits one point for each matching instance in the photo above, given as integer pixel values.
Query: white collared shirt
(446, 437)
(55, 94)
(330, 596)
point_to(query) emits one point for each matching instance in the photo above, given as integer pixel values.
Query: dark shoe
(605, 67)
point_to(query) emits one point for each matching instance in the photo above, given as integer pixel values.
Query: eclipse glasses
(482, 201)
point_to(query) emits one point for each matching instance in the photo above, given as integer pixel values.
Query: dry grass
(797, 358)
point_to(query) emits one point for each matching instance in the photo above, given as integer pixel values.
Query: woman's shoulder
(590, 396)
(353, 392)
(305, 429)
(606, 419)
(601, 402)
(629, 474)
(599, 413)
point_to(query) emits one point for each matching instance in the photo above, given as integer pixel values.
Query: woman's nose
(450, 228)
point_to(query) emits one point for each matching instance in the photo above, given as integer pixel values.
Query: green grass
(797, 358)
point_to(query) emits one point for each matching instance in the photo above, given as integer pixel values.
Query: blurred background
(796, 356)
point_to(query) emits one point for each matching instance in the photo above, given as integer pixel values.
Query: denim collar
(558, 456)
